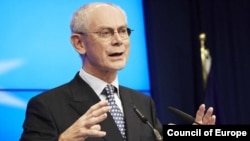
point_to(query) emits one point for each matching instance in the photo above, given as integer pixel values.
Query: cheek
(95, 49)
(127, 48)
(96, 54)
(127, 52)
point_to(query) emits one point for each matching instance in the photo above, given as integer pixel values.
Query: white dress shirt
(98, 85)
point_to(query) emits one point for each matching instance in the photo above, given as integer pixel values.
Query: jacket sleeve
(38, 124)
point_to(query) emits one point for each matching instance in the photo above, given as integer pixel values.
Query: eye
(105, 32)
(123, 31)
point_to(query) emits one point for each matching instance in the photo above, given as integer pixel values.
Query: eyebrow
(104, 27)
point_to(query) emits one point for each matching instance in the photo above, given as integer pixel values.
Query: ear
(77, 42)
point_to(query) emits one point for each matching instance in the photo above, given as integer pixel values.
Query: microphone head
(140, 115)
(181, 114)
(145, 120)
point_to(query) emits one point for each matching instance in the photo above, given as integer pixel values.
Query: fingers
(88, 124)
(93, 131)
(95, 114)
(208, 116)
(98, 108)
(200, 113)
(96, 127)
(205, 117)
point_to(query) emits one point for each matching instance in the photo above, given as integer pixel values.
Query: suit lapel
(83, 98)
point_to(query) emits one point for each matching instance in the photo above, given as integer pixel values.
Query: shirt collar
(95, 83)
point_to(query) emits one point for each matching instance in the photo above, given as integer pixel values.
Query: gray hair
(79, 21)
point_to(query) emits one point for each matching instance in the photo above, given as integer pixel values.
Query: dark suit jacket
(50, 113)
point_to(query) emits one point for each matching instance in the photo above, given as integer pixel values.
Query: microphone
(145, 120)
(183, 115)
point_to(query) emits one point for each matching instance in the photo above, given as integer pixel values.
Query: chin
(119, 67)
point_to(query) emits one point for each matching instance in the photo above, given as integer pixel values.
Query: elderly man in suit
(79, 110)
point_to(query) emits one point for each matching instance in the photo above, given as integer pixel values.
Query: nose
(117, 36)
(116, 39)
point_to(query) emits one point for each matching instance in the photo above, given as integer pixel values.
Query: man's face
(106, 54)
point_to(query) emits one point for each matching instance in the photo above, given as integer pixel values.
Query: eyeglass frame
(111, 31)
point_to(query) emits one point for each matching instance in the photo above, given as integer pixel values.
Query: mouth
(116, 54)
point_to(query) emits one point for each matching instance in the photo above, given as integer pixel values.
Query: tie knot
(109, 90)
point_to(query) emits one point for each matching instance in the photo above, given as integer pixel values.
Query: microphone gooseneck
(145, 120)
(183, 115)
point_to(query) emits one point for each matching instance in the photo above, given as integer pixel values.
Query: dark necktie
(115, 110)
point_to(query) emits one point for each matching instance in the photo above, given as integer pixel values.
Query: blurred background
(174, 52)
(165, 61)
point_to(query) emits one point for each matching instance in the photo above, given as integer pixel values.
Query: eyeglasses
(108, 33)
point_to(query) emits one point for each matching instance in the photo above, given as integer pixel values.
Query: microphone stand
(145, 120)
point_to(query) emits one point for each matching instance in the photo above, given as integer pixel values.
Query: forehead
(106, 16)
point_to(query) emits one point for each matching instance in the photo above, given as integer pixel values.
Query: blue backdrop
(36, 54)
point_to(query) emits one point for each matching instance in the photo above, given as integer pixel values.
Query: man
(78, 110)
